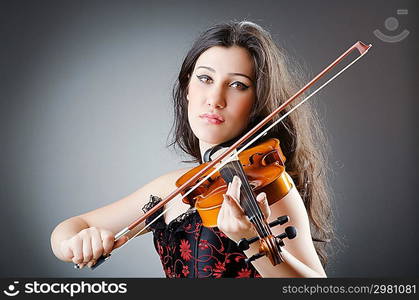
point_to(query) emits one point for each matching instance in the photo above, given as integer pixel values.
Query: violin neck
(247, 197)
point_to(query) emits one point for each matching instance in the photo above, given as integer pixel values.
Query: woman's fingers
(97, 244)
(264, 205)
(108, 240)
(233, 198)
(66, 249)
(233, 208)
(232, 219)
(103, 242)
(76, 244)
(87, 249)
(234, 188)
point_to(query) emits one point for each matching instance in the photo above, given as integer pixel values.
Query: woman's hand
(231, 219)
(89, 244)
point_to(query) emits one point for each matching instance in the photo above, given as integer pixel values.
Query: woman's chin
(212, 139)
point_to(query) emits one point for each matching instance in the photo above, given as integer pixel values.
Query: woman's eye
(239, 85)
(204, 78)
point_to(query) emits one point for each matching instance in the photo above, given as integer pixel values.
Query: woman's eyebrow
(238, 74)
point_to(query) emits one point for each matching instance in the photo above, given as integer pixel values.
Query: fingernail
(92, 263)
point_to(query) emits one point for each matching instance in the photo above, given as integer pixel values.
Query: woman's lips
(212, 118)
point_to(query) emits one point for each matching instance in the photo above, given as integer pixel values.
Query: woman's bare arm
(103, 223)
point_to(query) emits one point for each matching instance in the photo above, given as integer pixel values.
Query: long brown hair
(303, 141)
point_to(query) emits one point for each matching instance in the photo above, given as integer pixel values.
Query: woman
(233, 76)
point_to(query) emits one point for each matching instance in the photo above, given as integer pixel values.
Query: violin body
(264, 169)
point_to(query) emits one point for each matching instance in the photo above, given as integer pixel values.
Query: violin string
(228, 159)
(259, 215)
(251, 201)
(246, 196)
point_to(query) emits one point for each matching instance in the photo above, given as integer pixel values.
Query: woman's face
(221, 94)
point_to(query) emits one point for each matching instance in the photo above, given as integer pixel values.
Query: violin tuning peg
(279, 221)
(244, 244)
(290, 233)
(254, 257)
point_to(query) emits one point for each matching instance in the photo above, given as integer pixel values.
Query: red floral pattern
(219, 269)
(244, 273)
(185, 271)
(188, 249)
(185, 250)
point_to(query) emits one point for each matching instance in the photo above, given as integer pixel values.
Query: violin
(261, 169)
(208, 199)
(264, 166)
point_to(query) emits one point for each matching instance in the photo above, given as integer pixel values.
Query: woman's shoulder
(175, 174)
(166, 183)
(163, 186)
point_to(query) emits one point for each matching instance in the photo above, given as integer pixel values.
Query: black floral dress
(188, 249)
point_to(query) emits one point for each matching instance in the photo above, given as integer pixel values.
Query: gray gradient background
(85, 111)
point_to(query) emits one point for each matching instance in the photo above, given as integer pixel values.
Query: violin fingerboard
(247, 197)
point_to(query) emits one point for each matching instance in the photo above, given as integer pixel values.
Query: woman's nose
(216, 98)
